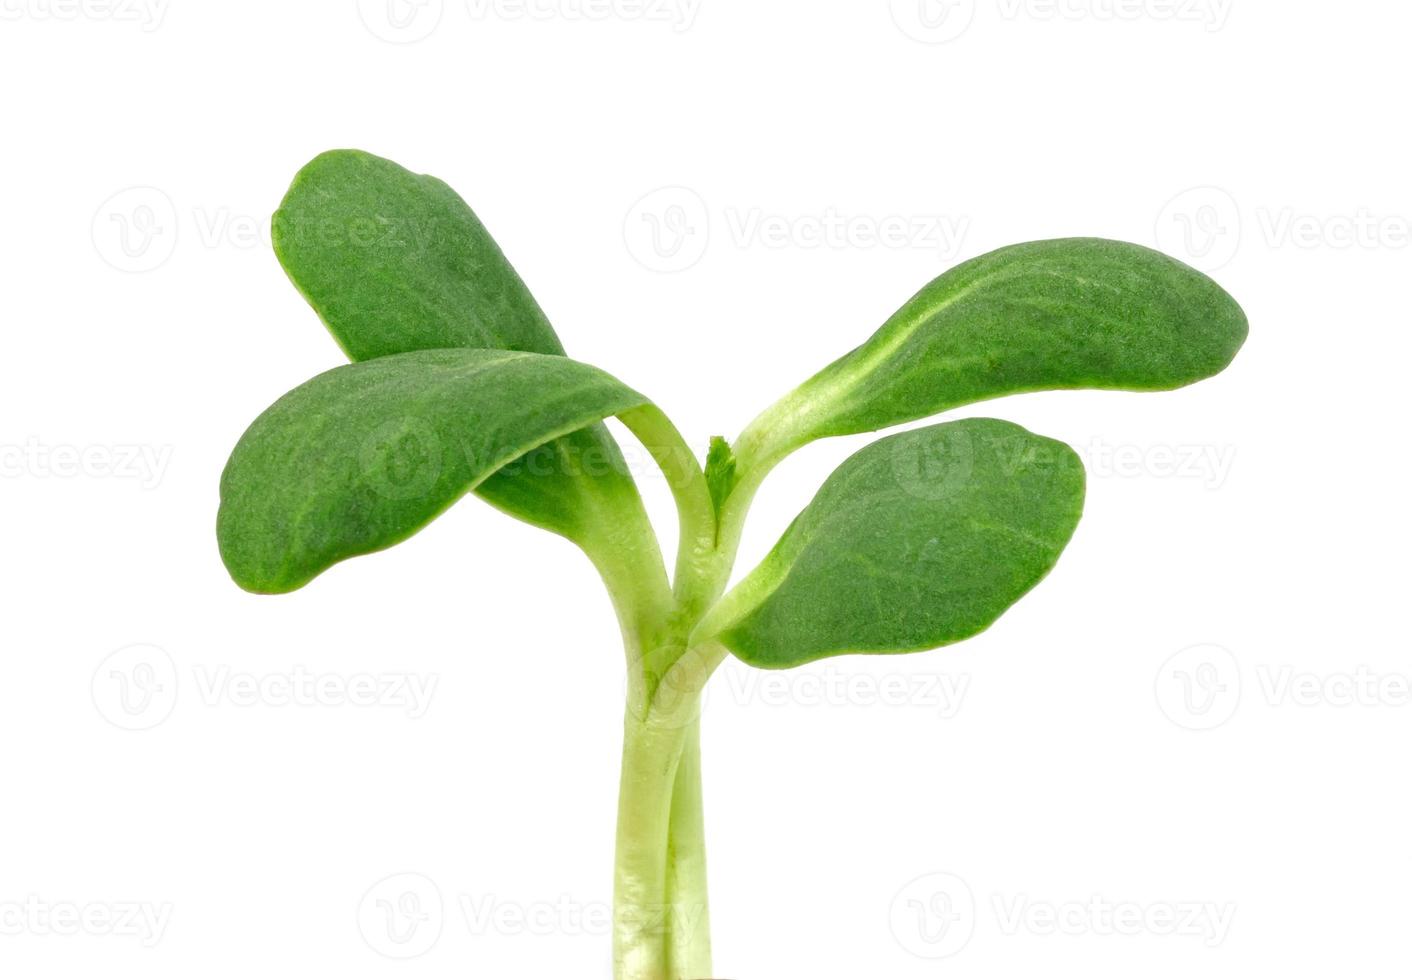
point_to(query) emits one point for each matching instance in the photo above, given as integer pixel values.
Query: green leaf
(363, 456)
(1069, 313)
(919, 540)
(720, 472)
(393, 262)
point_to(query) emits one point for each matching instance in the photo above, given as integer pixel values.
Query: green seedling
(459, 385)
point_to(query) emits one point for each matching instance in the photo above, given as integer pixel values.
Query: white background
(1240, 810)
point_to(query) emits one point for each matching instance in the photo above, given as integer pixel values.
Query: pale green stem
(645, 917)
(689, 944)
(661, 908)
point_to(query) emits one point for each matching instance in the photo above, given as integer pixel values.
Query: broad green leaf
(1068, 313)
(393, 262)
(363, 456)
(919, 540)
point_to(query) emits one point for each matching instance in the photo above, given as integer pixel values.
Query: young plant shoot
(458, 384)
